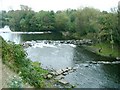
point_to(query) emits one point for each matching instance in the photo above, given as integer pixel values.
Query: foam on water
(41, 45)
(5, 29)
(72, 45)
(104, 62)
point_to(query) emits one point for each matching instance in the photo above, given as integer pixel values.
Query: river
(93, 71)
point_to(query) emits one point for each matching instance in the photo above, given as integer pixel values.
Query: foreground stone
(59, 74)
(59, 77)
(49, 76)
(62, 81)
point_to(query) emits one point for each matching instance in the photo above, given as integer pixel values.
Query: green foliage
(61, 20)
(79, 23)
(14, 56)
(3, 19)
(106, 49)
(42, 21)
(15, 83)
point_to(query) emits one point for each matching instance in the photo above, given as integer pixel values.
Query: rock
(59, 77)
(74, 68)
(86, 65)
(61, 41)
(65, 73)
(59, 72)
(49, 76)
(53, 73)
(69, 68)
(63, 81)
(71, 71)
(73, 86)
(65, 70)
(26, 45)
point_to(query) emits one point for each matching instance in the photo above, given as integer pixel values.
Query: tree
(85, 20)
(61, 20)
(43, 21)
(19, 19)
(118, 30)
(14, 19)
(25, 8)
(3, 19)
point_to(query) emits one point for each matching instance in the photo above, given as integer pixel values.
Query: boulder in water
(49, 76)
(63, 81)
(59, 72)
(59, 77)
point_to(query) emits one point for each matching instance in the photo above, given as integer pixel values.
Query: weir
(5, 29)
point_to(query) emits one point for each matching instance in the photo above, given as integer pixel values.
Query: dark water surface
(93, 71)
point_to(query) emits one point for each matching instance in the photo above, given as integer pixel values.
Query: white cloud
(58, 4)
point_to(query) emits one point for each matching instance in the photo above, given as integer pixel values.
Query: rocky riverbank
(58, 77)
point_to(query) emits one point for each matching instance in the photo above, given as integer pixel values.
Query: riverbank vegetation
(83, 23)
(15, 58)
(104, 49)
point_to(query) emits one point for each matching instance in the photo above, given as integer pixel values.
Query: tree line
(81, 23)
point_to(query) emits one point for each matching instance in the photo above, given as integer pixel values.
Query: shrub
(14, 56)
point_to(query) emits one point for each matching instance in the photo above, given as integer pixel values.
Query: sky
(55, 5)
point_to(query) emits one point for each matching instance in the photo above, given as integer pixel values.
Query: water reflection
(112, 71)
(81, 55)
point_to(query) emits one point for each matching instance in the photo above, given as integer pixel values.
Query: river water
(93, 71)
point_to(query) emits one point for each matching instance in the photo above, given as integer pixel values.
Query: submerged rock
(53, 73)
(59, 77)
(65, 70)
(26, 45)
(62, 81)
(65, 73)
(59, 72)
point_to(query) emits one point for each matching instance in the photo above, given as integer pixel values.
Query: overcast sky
(55, 5)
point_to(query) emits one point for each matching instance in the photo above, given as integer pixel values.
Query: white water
(5, 29)
(41, 45)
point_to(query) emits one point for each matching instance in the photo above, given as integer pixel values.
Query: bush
(14, 56)
(15, 83)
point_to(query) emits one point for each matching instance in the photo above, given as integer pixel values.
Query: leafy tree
(19, 19)
(118, 30)
(85, 19)
(14, 19)
(43, 21)
(61, 20)
(3, 19)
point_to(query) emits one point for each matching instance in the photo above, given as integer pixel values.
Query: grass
(106, 49)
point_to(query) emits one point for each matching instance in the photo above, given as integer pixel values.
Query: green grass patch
(106, 49)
